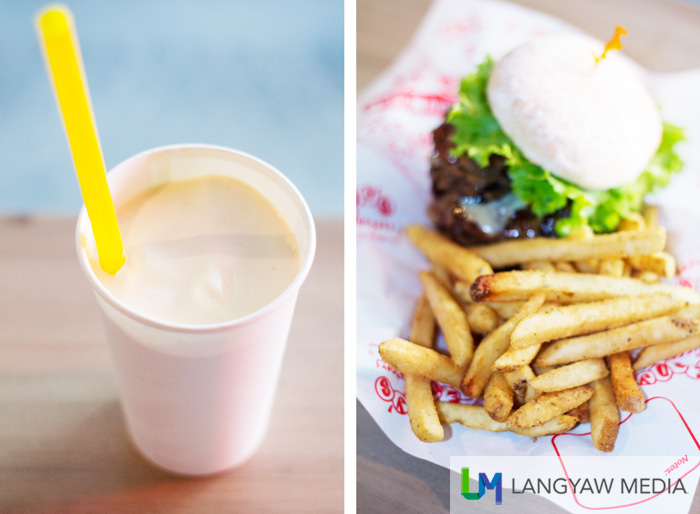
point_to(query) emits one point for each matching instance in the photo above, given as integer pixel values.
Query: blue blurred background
(262, 76)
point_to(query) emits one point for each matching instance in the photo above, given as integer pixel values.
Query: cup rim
(290, 290)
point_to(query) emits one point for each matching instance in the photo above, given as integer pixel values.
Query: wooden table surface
(63, 447)
(663, 36)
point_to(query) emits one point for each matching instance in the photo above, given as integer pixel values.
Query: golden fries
(612, 267)
(481, 318)
(605, 416)
(587, 265)
(451, 318)
(519, 381)
(421, 409)
(538, 266)
(629, 397)
(661, 352)
(571, 375)
(423, 324)
(505, 310)
(565, 267)
(461, 292)
(660, 263)
(618, 244)
(581, 412)
(634, 221)
(407, 357)
(565, 288)
(650, 213)
(585, 318)
(553, 426)
(422, 414)
(665, 329)
(515, 358)
(470, 416)
(443, 276)
(572, 314)
(548, 406)
(474, 417)
(645, 276)
(498, 397)
(462, 263)
(492, 347)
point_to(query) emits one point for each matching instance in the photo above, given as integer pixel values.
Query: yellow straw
(62, 54)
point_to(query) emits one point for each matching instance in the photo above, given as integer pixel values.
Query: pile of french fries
(558, 330)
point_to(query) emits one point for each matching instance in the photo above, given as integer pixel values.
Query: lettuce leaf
(479, 135)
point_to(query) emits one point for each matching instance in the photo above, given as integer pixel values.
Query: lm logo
(484, 484)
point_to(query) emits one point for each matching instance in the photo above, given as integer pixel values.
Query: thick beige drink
(217, 245)
(203, 250)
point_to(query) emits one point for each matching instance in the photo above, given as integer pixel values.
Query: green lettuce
(479, 135)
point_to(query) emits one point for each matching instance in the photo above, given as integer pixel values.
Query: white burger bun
(595, 125)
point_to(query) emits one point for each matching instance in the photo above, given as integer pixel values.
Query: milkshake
(203, 250)
(217, 245)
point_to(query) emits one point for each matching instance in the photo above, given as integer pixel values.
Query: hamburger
(548, 140)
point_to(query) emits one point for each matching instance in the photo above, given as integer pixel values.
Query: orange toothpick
(613, 44)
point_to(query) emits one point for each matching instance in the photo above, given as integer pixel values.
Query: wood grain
(63, 447)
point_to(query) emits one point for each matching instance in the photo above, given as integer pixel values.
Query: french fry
(629, 397)
(616, 245)
(541, 370)
(634, 221)
(451, 318)
(645, 276)
(519, 381)
(585, 318)
(471, 416)
(560, 424)
(498, 398)
(612, 267)
(565, 288)
(421, 409)
(461, 291)
(482, 319)
(661, 263)
(443, 276)
(492, 347)
(565, 267)
(581, 412)
(548, 406)
(661, 352)
(423, 324)
(474, 417)
(605, 416)
(462, 263)
(505, 310)
(515, 358)
(664, 329)
(538, 266)
(588, 265)
(571, 375)
(650, 213)
(407, 357)
(419, 395)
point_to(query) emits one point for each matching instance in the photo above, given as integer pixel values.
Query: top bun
(595, 125)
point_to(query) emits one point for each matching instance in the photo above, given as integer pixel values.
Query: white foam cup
(197, 398)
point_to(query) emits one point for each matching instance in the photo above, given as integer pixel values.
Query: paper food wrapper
(396, 115)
